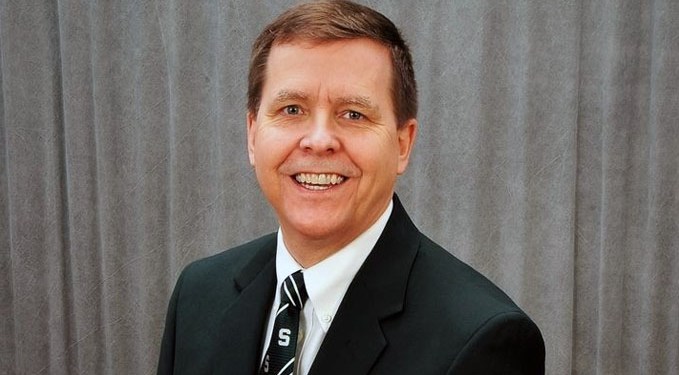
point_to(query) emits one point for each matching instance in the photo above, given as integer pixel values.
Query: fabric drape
(547, 158)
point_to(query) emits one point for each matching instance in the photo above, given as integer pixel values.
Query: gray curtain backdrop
(548, 158)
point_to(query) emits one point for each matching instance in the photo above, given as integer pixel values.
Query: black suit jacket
(412, 308)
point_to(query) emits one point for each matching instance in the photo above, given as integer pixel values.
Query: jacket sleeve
(508, 344)
(167, 346)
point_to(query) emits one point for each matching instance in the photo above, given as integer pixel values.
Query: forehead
(352, 66)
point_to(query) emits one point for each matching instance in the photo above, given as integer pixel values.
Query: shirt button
(326, 318)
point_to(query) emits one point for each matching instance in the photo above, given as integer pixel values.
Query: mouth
(319, 181)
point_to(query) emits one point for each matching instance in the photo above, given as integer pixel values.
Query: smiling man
(326, 143)
(348, 285)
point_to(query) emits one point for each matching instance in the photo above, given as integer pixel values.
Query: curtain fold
(547, 158)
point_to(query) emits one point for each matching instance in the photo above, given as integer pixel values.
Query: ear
(406, 141)
(251, 131)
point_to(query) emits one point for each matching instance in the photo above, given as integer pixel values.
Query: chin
(316, 230)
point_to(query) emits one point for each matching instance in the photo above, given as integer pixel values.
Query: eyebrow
(360, 101)
(290, 95)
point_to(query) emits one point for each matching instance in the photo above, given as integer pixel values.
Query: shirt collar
(327, 281)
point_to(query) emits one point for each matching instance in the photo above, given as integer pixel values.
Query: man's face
(325, 143)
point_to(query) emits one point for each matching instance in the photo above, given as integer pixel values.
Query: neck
(308, 252)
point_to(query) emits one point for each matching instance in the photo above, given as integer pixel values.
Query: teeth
(319, 179)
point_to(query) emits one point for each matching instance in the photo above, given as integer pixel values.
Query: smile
(319, 181)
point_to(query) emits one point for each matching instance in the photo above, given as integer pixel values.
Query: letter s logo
(284, 337)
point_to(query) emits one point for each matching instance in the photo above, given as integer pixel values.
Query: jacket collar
(355, 338)
(245, 319)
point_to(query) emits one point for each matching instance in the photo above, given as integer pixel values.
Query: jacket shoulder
(228, 263)
(206, 293)
(215, 277)
(451, 312)
(456, 285)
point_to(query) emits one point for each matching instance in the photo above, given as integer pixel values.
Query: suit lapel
(246, 318)
(355, 339)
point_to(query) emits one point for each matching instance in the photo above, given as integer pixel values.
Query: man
(331, 124)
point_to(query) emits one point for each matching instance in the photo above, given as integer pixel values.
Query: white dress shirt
(326, 283)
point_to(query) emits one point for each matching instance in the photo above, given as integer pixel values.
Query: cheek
(375, 156)
(271, 148)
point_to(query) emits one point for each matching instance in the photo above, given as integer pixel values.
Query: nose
(321, 136)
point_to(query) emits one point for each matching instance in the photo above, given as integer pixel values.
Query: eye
(353, 115)
(292, 110)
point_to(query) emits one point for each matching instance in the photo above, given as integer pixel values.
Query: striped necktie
(280, 356)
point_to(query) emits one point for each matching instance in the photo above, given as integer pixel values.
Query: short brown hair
(326, 21)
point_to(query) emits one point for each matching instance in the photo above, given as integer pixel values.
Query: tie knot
(293, 290)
